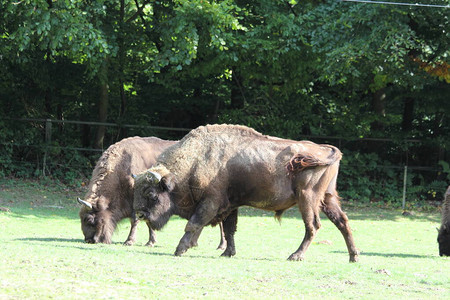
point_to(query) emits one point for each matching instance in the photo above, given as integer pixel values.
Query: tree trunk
(121, 55)
(378, 107)
(408, 114)
(237, 92)
(85, 133)
(102, 106)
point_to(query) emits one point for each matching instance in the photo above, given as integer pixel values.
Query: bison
(215, 169)
(444, 231)
(109, 198)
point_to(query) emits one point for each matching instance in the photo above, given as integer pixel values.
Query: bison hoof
(228, 253)
(128, 243)
(179, 252)
(354, 258)
(296, 257)
(150, 244)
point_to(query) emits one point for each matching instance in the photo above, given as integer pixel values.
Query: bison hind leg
(332, 209)
(223, 241)
(229, 228)
(311, 218)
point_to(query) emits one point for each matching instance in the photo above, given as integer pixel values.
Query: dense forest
(372, 79)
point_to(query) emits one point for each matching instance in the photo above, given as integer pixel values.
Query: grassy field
(42, 255)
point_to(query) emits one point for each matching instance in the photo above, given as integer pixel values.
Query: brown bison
(215, 169)
(109, 198)
(444, 231)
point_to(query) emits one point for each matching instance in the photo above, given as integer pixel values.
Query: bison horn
(84, 203)
(153, 176)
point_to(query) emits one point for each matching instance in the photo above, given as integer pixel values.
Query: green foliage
(366, 177)
(63, 28)
(445, 168)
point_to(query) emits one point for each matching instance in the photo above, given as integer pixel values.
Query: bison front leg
(204, 213)
(191, 232)
(132, 235)
(151, 236)
(332, 209)
(194, 239)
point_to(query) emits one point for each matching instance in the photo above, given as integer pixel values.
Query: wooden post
(48, 140)
(405, 175)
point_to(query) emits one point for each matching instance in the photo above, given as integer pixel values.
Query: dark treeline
(375, 76)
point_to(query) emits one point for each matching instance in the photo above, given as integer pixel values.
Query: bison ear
(168, 182)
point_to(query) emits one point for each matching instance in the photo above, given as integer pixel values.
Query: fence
(46, 146)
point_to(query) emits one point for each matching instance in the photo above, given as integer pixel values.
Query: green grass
(42, 255)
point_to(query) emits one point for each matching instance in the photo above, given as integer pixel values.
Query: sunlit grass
(42, 255)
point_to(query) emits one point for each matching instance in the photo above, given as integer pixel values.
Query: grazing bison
(215, 169)
(109, 198)
(444, 231)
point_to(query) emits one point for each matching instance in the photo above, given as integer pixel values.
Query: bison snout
(141, 214)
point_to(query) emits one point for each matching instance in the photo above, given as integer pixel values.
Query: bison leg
(204, 213)
(332, 209)
(151, 236)
(229, 228)
(223, 241)
(132, 235)
(194, 239)
(312, 224)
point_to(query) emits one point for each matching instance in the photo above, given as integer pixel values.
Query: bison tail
(300, 162)
(278, 214)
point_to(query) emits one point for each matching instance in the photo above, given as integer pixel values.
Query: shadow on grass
(212, 256)
(50, 239)
(67, 240)
(58, 240)
(400, 255)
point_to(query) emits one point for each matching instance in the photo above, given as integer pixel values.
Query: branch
(291, 8)
(139, 11)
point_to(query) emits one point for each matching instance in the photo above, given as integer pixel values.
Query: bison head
(444, 240)
(152, 197)
(95, 223)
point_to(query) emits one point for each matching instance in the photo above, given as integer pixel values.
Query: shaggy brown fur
(110, 190)
(215, 169)
(444, 231)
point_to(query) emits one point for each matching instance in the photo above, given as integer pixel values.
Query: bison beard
(215, 169)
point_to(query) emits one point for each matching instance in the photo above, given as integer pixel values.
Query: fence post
(404, 187)
(48, 140)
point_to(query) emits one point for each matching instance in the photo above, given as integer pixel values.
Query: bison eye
(150, 194)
